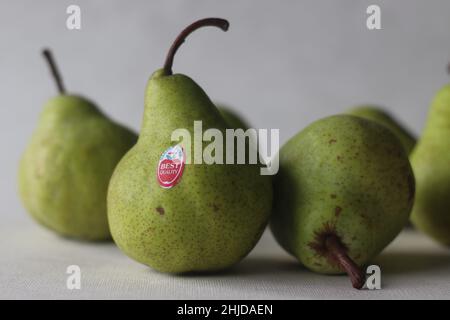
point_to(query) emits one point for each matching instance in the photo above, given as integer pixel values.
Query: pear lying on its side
(381, 116)
(344, 191)
(65, 170)
(431, 163)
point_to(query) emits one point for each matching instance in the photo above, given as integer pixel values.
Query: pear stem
(54, 70)
(208, 22)
(339, 254)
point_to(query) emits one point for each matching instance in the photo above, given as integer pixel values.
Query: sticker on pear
(170, 167)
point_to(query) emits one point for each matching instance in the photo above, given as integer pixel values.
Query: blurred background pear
(65, 170)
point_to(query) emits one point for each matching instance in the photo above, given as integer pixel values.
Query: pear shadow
(412, 262)
(267, 266)
(250, 266)
(102, 242)
(73, 239)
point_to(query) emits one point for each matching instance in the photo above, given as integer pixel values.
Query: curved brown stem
(54, 70)
(208, 22)
(339, 254)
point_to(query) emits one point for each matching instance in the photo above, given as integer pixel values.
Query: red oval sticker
(170, 167)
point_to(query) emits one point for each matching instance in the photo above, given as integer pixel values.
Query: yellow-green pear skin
(216, 213)
(232, 118)
(65, 170)
(345, 179)
(431, 163)
(383, 117)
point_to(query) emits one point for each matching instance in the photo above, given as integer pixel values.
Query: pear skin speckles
(344, 178)
(65, 170)
(215, 214)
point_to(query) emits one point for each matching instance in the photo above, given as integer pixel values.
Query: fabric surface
(33, 265)
(280, 66)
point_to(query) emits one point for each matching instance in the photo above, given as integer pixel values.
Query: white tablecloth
(33, 263)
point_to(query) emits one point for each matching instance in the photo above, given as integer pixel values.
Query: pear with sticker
(176, 216)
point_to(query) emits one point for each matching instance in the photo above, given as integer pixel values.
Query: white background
(282, 64)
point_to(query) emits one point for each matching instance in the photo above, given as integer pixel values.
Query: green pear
(344, 191)
(233, 119)
(209, 216)
(381, 116)
(65, 170)
(431, 163)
